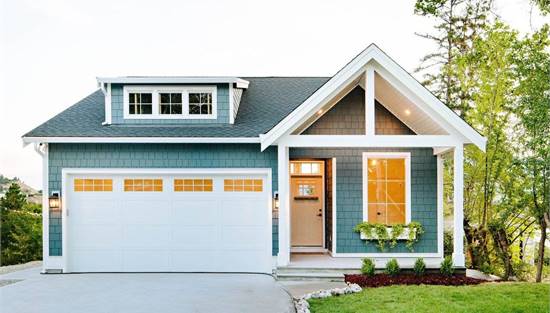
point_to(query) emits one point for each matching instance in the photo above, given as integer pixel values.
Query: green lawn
(491, 297)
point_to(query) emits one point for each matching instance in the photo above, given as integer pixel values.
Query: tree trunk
(540, 263)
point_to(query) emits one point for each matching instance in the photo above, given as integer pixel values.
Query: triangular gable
(390, 71)
(347, 117)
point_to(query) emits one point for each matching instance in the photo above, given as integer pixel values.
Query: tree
(14, 199)
(533, 111)
(458, 24)
(21, 228)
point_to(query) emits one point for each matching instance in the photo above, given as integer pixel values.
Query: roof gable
(390, 71)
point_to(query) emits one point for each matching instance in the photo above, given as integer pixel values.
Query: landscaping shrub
(392, 267)
(419, 267)
(21, 228)
(447, 267)
(368, 267)
(447, 243)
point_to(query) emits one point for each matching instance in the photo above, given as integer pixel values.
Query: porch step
(312, 274)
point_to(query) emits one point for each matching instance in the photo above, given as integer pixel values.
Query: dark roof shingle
(264, 104)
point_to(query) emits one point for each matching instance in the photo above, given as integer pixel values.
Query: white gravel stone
(302, 306)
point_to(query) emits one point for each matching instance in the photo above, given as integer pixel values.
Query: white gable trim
(352, 70)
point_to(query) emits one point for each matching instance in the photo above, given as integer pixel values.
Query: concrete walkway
(137, 293)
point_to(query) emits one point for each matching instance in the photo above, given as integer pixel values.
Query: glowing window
(141, 184)
(193, 185)
(89, 184)
(243, 185)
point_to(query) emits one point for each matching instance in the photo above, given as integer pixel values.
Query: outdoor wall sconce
(275, 209)
(54, 201)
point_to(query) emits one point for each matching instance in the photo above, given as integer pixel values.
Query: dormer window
(200, 103)
(170, 102)
(140, 103)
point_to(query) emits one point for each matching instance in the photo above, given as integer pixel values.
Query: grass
(490, 297)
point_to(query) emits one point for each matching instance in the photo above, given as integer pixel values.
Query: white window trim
(155, 90)
(387, 155)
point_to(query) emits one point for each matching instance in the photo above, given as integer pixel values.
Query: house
(250, 174)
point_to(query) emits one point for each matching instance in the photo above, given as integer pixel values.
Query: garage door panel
(196, 212)
(245, 261)
(153, 236)
(95, 236)
(174, 230)
(196, 237)
(146, 211)
(147, 260)
(96, 260)
(196, 260)
(237, 237)
(102, 211)
(241, 212)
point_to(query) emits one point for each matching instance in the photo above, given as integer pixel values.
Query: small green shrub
(392, 267)
(419, 267)
(447, 243)
(447, 267)
(368, 267)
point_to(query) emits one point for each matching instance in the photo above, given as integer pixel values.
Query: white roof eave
(241, 83)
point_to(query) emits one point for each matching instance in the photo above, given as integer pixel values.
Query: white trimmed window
(170, 102)
(387, 187)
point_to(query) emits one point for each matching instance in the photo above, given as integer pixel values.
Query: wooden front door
(307, 204)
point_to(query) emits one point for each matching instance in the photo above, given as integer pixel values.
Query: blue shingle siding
(117, 107)
(152, 156)
(349, 196)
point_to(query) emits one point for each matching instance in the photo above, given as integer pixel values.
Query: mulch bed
(380, 280)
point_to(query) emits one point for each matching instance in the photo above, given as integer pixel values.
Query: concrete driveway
(136, 293)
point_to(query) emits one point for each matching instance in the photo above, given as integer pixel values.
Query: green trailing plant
(419, 267)
(368, 267)
(447, 267)
(387, 235)
(392, 267)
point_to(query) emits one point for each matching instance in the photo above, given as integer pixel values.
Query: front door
(307, 203)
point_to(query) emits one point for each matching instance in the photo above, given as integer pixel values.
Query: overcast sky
(51, 51)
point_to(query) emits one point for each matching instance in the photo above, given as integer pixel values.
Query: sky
(51, 51)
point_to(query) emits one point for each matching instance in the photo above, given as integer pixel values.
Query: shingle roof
(265, 103)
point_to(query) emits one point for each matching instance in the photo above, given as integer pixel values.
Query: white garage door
(168, 223)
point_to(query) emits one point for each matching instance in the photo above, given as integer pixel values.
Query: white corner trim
(372, 52)
(27, 140)
(231, 105)
(42, 149)
(156, 90)
(108, 107)
(387, 155)
(333, 206)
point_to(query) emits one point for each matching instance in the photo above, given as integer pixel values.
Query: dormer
(171, 100)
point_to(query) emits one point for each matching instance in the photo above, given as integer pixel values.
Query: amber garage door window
(142, 185)
(93, 185)
(386, 190)
(195, 185)
(243, 185)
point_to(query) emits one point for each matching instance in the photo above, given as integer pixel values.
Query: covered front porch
(382, 139)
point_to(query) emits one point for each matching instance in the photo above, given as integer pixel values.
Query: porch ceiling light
(54, 201)
(407, 112)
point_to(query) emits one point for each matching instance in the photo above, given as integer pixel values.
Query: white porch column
(369, 100)
(458, 203)
(283, 257)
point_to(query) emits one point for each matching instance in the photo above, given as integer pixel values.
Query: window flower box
(403, 236)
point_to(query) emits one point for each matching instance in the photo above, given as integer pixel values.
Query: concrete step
(321, 274)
